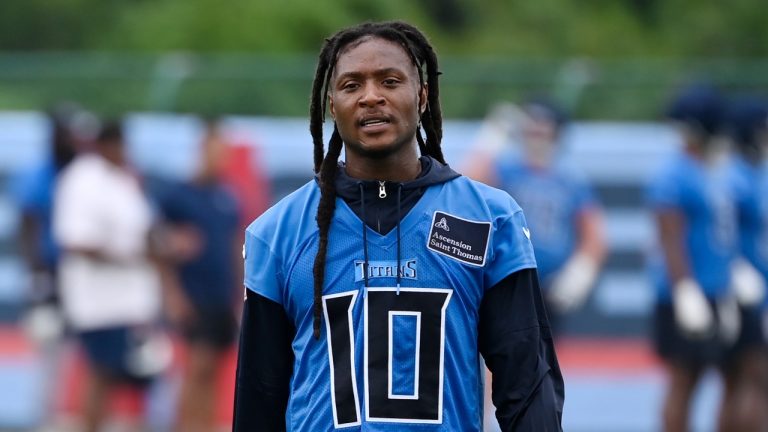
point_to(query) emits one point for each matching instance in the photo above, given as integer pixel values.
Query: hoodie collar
(356, 191)
(432, 172)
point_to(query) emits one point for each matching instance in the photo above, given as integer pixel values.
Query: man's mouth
(373, 121)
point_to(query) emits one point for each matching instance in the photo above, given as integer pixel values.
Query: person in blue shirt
(693, 198)
(33, 190)
(748, 129)
(372, 291)
(564, 216)
(203, 238)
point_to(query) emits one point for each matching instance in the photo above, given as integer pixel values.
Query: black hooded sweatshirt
(514, 336)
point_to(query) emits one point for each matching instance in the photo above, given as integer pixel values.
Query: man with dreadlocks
(416, 270)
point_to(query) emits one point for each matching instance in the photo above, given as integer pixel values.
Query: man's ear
(330, 106)
(423, 97)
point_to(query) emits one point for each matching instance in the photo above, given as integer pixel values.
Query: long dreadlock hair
(423, 57)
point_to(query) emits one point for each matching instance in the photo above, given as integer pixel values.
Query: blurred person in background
(748, 129)
(71, 130)
(204, 243)
(392, 232)
(564, 218)
(109, 287)
(693, 198)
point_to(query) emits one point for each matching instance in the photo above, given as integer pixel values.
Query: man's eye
(391, 82)
(350, 86)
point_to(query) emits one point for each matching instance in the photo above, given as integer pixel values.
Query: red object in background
(248, 180)
(127, 402)
(604, 355)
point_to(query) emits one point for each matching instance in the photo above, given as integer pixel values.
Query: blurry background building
(612, 64)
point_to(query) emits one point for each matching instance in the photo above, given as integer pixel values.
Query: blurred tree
(52, 25)
(545, 28)
(602, 58)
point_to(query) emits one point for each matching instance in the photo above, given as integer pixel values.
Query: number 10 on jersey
(403, 355)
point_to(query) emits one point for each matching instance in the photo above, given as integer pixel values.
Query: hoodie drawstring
(365, 240)
(398, 269)
(382, 194)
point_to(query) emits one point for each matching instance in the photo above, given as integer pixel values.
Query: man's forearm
(265, 365)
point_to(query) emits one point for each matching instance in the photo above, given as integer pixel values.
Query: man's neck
(396, 168)
(205, 177)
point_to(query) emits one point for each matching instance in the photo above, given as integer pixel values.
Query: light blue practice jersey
(389, 359)
(706, 199)
(552, 199)
(33, 190)
(753, 214)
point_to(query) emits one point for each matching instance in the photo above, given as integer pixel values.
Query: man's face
(113, 151)
(376, 98)
(539, 136)
(214, 155)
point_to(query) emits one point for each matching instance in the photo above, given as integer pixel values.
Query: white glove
(498, 128)
(151, 355)
(572, 284)
(747, 283)
(692, 312)
(43, 324)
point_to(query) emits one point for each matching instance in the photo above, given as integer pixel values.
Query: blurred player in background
(371, 291)
(205, 242)
(71, 130)
(694, 200)
(564, 217)
(748, 127)
(109, 288)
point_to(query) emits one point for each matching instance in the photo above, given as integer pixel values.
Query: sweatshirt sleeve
(264, 366)
(516, 343)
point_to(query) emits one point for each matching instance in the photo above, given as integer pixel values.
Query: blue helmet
(544, 109)
(747, 115)
(699, 106)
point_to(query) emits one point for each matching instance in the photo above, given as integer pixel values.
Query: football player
(748, 127)
(693, 200)
(372, 290)
(564, 216)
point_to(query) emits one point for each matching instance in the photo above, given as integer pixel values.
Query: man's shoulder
(677, 173)
(84, 175)
(294, 213)
(85, 168)
(474, 193)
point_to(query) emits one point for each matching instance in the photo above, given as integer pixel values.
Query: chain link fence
(114, 83)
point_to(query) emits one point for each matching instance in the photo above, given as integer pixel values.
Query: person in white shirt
(110, 289)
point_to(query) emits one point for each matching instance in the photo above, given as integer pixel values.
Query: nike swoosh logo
(527, 233)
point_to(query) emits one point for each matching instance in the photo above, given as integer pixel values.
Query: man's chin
(375, 151)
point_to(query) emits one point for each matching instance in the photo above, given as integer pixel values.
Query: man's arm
(576, 278)
(516, 343)
(264, 366)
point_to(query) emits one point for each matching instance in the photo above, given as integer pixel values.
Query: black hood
(432, 172)
(386, 202)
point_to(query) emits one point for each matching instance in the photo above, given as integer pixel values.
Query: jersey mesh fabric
(444, 292)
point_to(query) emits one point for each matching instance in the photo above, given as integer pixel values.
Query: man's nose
(371, 96)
